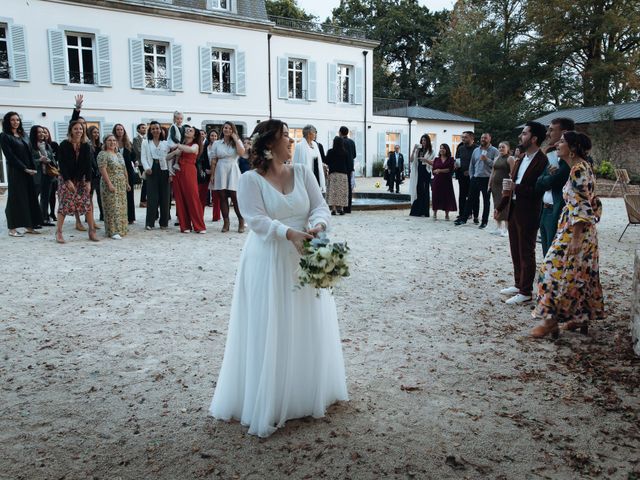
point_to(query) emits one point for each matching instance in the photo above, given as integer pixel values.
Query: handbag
(51, 170)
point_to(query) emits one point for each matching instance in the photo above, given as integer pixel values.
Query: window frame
(303, 79)
(389, 145)
(7, 34)
(155, 55)
(215, 5)
(350, 77)
(220, 62)
(79, 49)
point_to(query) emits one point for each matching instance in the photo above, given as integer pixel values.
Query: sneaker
(116, 237)
(509, 291)
(148, 228)
(459, 222)
(186, 231)
(202, 232)
(483, 225)
(518, 299)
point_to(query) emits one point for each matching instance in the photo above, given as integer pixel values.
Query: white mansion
(214, 60)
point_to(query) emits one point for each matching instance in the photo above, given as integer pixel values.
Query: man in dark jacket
(350, 146)
(395, 166)
(463, 160)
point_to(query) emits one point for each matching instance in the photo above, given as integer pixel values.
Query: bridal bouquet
(323, 263)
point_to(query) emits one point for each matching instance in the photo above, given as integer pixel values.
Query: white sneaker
(187, 231)
(116, 237)
(202, 232)
(518, 299)
(509, 291)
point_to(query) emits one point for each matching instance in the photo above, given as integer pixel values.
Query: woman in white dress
(283, 357)
(227, 173)
(307, 153)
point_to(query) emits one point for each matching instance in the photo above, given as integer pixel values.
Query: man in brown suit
(524, 211)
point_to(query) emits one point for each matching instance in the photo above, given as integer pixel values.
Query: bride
(283, 357)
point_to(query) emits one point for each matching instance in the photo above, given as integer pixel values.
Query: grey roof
(620, 111)
(423, 113)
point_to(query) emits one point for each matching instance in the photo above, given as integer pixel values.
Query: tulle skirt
(283, 357)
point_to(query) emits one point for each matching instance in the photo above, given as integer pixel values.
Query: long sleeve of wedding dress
(252, 207)
(319, 211)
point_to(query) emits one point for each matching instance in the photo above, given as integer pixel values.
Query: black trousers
(143, 192)
(394, 179)
(478, 185)
(463, 192)
(158, 196)
(350, 193)
(44, 190)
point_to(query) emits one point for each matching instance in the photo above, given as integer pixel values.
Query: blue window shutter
(283, 79)
(20, 62)
(382, 139)
(103, 46)
(176, 68)
(60, 129)
(332, 82)
(312, 94)
(136, 62)
(107, 128)
(26, 126)
(358, 97)
(205, 70)
(241, 78)
(57, 57)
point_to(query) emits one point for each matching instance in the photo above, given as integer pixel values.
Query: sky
(322, 8)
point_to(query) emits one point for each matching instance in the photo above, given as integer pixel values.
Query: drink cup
(507, 185)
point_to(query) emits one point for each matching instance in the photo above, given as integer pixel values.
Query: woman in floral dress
(569, 287)
(114, 185)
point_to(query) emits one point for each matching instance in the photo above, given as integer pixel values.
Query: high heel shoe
(241, 226)
(573, 325)
(80, 227)
(225, 226)
(92, 235)
(59, 237)
(546, 328)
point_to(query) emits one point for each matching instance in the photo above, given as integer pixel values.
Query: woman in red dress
(185, 184)
(442, 195)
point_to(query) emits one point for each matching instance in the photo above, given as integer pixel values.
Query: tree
(288, 9)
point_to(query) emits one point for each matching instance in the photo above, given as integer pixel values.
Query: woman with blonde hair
(114, 185)
(126, 150)
(501, 169)
(227, 173)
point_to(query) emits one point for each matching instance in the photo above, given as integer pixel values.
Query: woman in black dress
(421, 160)
(44, 161)
(126, 150)
(96, 147)
(22, 201)
(54, 180)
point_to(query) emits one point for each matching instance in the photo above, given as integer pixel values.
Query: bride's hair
(265, 134)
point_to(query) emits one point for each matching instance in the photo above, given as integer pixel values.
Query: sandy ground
(110, 354)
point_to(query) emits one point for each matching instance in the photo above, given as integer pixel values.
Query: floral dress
(569, 285)
(114, 204)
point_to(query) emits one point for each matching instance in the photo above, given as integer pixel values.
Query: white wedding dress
(283, 357)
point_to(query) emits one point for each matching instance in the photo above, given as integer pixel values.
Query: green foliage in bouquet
(323, 263)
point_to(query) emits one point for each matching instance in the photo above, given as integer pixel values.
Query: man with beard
(551, 182)
(524, 203)
(480, 167)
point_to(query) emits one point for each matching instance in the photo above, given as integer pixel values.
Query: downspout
(364, 53)
(410, 149)
(269, 74)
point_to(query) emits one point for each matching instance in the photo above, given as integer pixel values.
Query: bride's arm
(319, 213)
(254, 212)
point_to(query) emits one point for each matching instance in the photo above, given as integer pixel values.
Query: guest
(442, 184)
(93, 133)
(227, 172)
(395, 167)
(501, 169)
(114, 185)
(524, 206)
(212, 138)
(552, 181)
(569, 287)
(480, 167)
(421, 159)
(337, 160)
(350, 146)
(154, 150)
(74, 189)
(75, 116)
(54, 180)
(203, 167)
(185, 183)
(175, 138)
(141, 134)
(243, 161)
(44, 160)
(126, 150)
(22, 208)
(463, 160)
(307, 153)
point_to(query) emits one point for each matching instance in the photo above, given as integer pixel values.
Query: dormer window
(219, 5)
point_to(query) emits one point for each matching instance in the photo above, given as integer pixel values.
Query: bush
(605, 170)
(377, 168)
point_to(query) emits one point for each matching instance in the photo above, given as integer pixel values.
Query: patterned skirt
(338, 190)
(70, 203)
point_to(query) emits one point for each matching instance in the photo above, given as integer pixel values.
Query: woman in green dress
(114, 186)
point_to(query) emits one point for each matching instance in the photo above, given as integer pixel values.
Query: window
(391, 140)
(155, 65)
(455, 141)
(80, 59)
(219, 4)
(5, 71)
(221, 71)
(295, 81)
(345, 84)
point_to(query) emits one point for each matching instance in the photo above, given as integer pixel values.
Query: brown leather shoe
(225, 227)
(546, 327)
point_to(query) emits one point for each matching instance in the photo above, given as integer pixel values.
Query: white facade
(139, 64)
